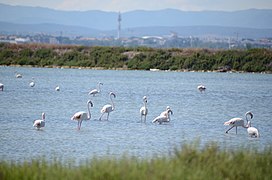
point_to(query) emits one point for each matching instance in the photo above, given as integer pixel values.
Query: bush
(252, 60)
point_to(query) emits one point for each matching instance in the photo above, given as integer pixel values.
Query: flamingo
(108, 108)
(235, 122)
(1, 87)
(252, 131)
(164, 113)
(96, 91)
(201, 88)
(144, 110)
(82, 115)
(32, 83)
(39, 123)
(163, 117)
(18, 75)
(57, 88)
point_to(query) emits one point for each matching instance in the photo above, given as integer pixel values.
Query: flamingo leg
(236, 129)
(145, 118)
(108, 116)
(79, 124)
(229, 129)
(101, 116)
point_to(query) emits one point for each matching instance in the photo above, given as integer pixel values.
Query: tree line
(140, 58)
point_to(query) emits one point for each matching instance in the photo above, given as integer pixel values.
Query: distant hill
(53, 29)
(247, 23)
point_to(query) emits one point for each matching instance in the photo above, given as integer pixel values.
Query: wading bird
(235, 122)
(18, 75)
(96, 91)
(1, 87)
(32, 83)
(39, 123)
(201, 88)
(57, 88)
(164, 113)
(252, 131)
(108, 107)
(82, 115)
(163, 117)
(144, 110)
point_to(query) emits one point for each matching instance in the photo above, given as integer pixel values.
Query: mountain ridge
(184, 31)
(95, 22)
(103, 20)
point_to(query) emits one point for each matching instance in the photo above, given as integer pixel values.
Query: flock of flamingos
(164, 117)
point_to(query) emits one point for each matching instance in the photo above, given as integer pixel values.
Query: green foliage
(188, 162)
(142, 58)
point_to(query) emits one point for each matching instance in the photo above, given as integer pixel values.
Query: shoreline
(127, 69)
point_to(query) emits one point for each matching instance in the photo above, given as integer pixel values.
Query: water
(197, 116)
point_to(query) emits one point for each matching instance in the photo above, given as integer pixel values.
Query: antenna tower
(119, 25)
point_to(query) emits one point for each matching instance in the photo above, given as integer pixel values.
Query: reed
(187, 162)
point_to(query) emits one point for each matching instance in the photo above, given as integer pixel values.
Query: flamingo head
(90, 102)
(145, 99)
(111, 93)
(100, 83)
(250, 114)
(170, 111)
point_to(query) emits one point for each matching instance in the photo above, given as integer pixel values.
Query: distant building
(21, 40)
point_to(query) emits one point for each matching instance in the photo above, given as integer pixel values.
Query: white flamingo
(144, 110)
(108, 107)
(1, 87)
(32, 83)
(39, 123)
(82, 115)
(57, 88)
(96, 91)
(252, 131)
(235, 122)
(164, 113)
(18, 75)
(201, 88)
(163, 117)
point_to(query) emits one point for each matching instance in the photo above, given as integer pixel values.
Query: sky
(129, 5)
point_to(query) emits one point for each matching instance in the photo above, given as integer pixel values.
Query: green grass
(189, 162)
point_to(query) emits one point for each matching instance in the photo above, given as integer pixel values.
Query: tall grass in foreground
(189, 162)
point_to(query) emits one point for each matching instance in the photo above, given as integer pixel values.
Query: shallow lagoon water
(197, 116)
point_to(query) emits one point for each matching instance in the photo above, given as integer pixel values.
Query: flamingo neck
(248, 124)
(98, 87)
(89, 112)
(43, 116)
(112, 102)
